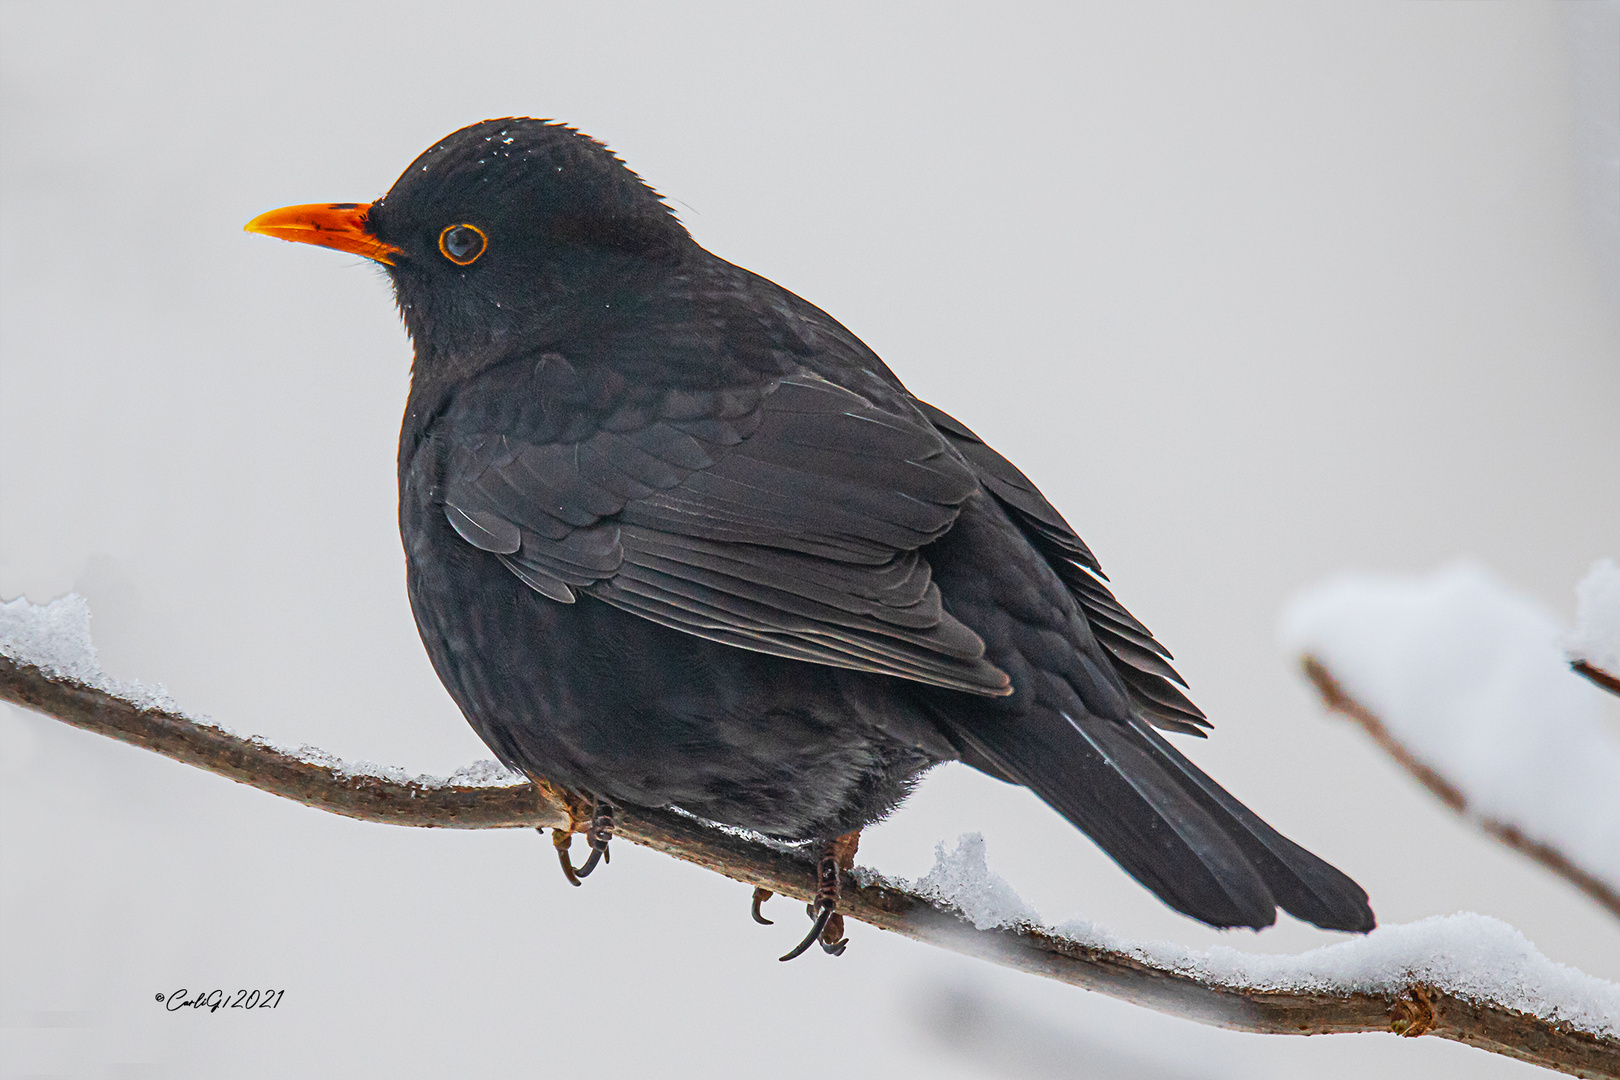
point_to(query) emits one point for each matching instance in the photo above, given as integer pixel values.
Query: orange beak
(335, 225)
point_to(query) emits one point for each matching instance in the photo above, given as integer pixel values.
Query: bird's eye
(462, 244)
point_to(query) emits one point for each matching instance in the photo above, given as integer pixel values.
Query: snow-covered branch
(1468, 686)
(1464, 977)
(1594, 647)
(1335, 698)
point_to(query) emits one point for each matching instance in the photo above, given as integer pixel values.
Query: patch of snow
(1472, 956)
(480, 774)
(486, 773)
(1470, 677)
(746, 834)
(963, 880)
(55, 638)
(1597, 618)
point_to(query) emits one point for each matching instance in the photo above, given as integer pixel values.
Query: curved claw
(598, 835)
(760, 896)
(814, 935)
(562, 840)
(590, 863)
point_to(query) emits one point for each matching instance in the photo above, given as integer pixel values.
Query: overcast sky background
(1256, 293)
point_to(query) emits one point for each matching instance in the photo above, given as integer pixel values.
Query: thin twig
(1338, 700)
(1417, 1009)
(1597, 675)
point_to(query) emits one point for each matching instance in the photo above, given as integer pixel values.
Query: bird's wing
(1143, 664)
(783, 518)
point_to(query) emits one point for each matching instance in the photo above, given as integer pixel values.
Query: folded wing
(785, 519)
(1142, 663)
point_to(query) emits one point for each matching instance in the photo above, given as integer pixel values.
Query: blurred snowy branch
(1465, 977)
(1594, 647)
(1468, 687)
(1335, 698)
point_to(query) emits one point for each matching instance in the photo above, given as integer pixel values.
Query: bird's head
(493, 234)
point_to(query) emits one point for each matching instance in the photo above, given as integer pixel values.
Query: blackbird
(676, 537)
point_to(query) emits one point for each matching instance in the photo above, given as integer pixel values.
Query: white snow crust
(1597, 618)
(1472, 679)
(55, 638)
(481, 774)
(963, 880)
(1472, 956)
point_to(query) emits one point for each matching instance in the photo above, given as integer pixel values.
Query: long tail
(1162, 819)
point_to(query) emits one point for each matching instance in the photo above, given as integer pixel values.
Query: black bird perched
(674, 536)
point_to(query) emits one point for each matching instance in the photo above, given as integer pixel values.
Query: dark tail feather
(1164, 821)
(1305, 886)
(1118, 793)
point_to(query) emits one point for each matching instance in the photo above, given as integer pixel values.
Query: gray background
(1256, 293)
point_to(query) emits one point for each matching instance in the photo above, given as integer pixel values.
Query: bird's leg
(844, 847)
(596, 824)
(597, 835)
(837, 856)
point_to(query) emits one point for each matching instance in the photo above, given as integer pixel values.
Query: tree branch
(1416, 1009)
(1596, 675)
(1339, 701)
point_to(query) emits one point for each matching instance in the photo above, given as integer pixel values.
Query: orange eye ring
(460, 248)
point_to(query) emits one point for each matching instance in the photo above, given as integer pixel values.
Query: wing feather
(785, 518)
(1142, 663)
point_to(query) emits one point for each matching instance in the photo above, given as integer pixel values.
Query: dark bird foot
(828, 926)
(824, 913)
(597, 835)
(761, 895)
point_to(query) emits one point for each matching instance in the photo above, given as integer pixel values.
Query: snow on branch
(1467, 686)
(1465, 977)
(1594, 647)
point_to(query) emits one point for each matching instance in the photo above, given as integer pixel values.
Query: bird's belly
(600, 700)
